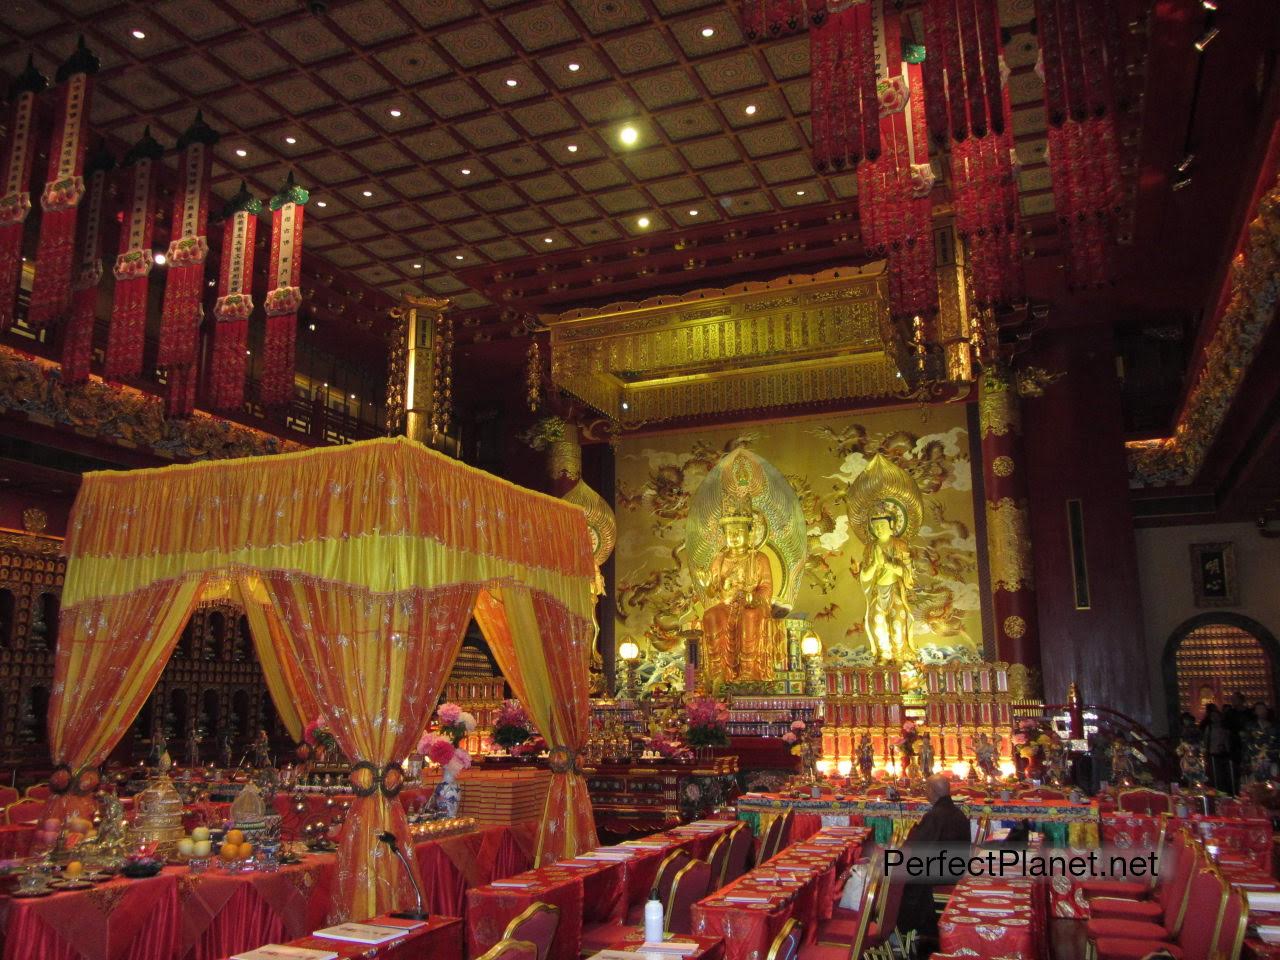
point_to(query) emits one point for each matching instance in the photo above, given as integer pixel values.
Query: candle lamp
(811, 648)
(629, 651)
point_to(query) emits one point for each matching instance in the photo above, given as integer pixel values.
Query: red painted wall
(1074, 444)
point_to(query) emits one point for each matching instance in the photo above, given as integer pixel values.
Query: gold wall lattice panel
(1225, 655)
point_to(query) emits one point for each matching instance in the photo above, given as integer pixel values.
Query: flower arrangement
(455, 723)
(316, 734)
(1032, 742)
(441, 750)
(530, 748)
(512, 725)
(708, 722)
(664, 746)
(795, 733)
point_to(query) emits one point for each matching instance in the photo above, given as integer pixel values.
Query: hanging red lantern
(60, 201)
(77, 338)
(283, 296)
(235, 301)
(15, 204)
(132, 271)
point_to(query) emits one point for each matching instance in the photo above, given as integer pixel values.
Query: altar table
(992, 917)
(799, 882)
(440, 939)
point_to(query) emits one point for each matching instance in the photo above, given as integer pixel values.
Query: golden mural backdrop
(820, 457)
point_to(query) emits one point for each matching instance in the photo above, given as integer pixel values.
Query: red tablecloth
(453, 865)
(1249, 838)
(491, 908)
(709, 948)
(440, 939)
(799, 882)
(119, 920)
(993, 917)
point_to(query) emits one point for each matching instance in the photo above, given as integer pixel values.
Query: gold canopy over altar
(359, 568)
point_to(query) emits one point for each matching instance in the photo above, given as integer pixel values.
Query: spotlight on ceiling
(693, 213)
(642, 222)
(512, 82)
(242, 152)
(708, 32)
(395, 111)
(457, 256)
(291, 140)
(575, 67)
(1207, 39)
(572, 148)
(465, 171)
(629, 135)
(366, 193)
(1209, 4)
(139, 35)
(750, 110)
(548, 240)
(799, 193)
(417, 266)
(321, 203)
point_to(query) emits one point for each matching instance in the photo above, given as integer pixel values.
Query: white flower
(468, 721)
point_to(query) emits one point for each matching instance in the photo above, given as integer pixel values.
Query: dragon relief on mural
(657, 477)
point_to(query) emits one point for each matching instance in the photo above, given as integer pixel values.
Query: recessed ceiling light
(799, 193)
(575, 67)
(248, 353)
(512, 82)
(321, 203)
(291, 140)
(417, 266)
(465, 171)
(212, 283)
(242, 152)
(353, 396)
(457, 256)
(572, 148)
(161, 259)
(311, 327)
(693, 213)
(366, 193)
(629, 135)
(394, 111)
(547, 240)
(708, 32)
(750, 109)
(139, 35)
(642, 222)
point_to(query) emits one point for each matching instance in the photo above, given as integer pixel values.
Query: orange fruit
(245, 851)
(228, 851)
(235, 836)
(74, 868)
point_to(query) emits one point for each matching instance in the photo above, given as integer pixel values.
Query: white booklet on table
(359, 933)
(278, 951)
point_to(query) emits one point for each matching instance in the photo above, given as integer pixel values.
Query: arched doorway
(1213, 656)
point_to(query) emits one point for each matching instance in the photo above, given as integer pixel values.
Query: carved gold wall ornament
(1002, 466)
(756, 346)
(1227, 358)
(34, 520)
(998, 411)
(600, 519)
(1014, 626)
(1009, 539)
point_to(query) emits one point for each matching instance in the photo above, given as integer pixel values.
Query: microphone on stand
(389, 839)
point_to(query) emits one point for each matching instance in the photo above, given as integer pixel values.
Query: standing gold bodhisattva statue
(885, 510)
(738, 624)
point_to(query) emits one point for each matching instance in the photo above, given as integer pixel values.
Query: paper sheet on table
(1265, 901)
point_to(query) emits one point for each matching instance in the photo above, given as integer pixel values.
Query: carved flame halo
(884, 489)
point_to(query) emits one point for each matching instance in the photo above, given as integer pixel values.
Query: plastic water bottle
(653, 919)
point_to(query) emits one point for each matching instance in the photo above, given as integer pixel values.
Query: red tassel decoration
(127, 333)
(15, 204)
(764, 19)
(844, 100)
(77, 339)
(60, 202)
(181, 311)
(284, 296)
(235, 304)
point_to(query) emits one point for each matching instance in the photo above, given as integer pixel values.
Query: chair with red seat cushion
(739, 853)
(24, 811)
(537, 925)
(880, 926)
(511, 950)
(1145, 800)
(662, 881)
(719, 860)
(38, 791)
(824, 948)
(692, 883)
(786, 945)
(774, 837)
(1195, 940)
(8, 795)
(1229, 942)
(1173, 898)
(1113, 898)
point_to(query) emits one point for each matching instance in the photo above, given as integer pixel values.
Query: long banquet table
(995, 917)
(584, 889)
(798, 882)
(178, 915)
(440, 939)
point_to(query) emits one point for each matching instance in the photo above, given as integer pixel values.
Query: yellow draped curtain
(544, 652)
(357, 567)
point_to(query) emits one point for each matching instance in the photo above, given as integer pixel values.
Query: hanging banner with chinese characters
(235, 303)
(15, 204)
(1082, 59)
(132, 270)
(967, 105)
(895, 209)
(181, 312)
(77, 338)
(284, 297)
(60, 201)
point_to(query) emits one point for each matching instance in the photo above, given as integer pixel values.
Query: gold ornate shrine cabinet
(794, 340)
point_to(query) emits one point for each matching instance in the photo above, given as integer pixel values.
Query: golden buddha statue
(738, 627)
(885, 510)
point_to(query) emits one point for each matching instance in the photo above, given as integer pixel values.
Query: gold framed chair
(786, 945)
(537, 925)
(510, 950)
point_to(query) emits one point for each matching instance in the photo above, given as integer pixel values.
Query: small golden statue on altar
(885, 511)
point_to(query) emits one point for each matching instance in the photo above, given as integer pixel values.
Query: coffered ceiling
(446, 141)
